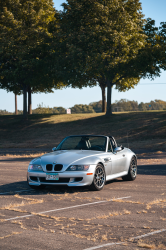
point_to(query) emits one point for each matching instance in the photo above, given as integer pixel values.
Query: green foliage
(152, 58)
(88, 43)
(162, 36)
(97, 106)
(46, 110)
(24, 39)
(5, 112)
(150, 55)
(125, 105)
(99, 40)
(153, 105)
(77, 109)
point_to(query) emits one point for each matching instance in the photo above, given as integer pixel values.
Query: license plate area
(52, 177)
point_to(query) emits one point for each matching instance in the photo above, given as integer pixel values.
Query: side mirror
(54, 149)
(117, 149)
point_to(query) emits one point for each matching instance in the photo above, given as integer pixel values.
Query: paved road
(124, 215)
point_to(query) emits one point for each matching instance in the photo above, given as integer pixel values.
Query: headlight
(78, 168)
(35, 167)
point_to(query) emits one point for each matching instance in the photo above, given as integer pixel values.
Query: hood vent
(58, 167)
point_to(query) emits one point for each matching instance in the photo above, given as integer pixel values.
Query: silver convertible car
(83, 160)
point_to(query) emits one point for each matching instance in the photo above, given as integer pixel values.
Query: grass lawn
(131, 129)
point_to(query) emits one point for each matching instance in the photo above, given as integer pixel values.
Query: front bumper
(69, 178)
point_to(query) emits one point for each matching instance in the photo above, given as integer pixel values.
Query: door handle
(107, 159)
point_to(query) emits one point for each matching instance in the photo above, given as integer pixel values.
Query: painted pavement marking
(63, 208)
(133, 238)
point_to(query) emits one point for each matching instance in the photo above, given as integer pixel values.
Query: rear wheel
(132, 173)
(99, 178)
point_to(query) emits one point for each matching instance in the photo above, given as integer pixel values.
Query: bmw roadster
(83, 160)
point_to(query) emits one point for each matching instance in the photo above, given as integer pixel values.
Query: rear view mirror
(117, 149)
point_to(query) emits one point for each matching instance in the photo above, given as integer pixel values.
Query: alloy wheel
(99, 178)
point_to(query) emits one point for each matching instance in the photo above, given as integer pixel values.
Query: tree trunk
(25, 101)
(16, 111)
(103, 85)
(109, 93)
(29, 101)
(103, 99)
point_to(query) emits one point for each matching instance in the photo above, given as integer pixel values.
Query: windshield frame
(106, 142)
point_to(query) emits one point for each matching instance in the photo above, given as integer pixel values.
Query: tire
(132, 173)
(99, 178)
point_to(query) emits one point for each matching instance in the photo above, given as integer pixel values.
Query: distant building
(68, 111)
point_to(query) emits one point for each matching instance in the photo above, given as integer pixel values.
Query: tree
(151, 58)
(101, 38)
(82, 109)
(16, 111)
(162, 35)
(103, 85)
(96, 106)
(25, 38)
(125, 105)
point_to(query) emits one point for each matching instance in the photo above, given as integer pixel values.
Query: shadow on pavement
(152, 169)
(23, 188)
(152, 155)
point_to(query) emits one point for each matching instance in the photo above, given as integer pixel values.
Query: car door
(107, 163)
(118, 161)
(108, 160)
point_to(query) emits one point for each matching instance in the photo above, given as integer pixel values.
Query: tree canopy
(90, 42)
(24, 39)
(100, 39)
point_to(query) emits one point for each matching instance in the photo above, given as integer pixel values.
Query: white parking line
(16, 191)
(119, 243)
(105, 245)
(146, 235)
(63, 208)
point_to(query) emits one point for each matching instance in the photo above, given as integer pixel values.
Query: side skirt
(114, 176)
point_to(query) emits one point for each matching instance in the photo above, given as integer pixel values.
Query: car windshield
(97, 143)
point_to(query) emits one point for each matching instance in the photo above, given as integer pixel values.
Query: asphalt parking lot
(124, 215)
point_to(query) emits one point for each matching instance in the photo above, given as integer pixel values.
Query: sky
(145, 91)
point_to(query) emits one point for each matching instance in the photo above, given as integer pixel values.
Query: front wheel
(99, 178)
(132, 173)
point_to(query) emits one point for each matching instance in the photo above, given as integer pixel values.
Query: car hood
(68, 157)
